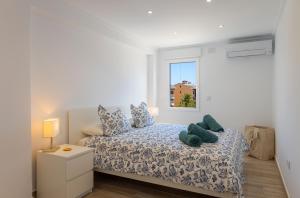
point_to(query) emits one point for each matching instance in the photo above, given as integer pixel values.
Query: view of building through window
(183, 89)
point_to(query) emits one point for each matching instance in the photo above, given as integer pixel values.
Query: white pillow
(93, 130)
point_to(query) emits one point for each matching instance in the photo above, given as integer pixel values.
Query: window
(184, 84)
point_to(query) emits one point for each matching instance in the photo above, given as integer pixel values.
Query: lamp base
(50, 150)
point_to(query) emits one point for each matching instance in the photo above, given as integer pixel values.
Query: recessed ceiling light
(208, 1)
(150, 12)
(175, 33)
(221, 26)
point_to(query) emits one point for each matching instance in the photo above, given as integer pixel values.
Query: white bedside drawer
(80, 185)
(65, 174)
(79, 165)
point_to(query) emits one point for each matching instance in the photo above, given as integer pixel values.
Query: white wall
(15, 143)
(75, 66)
(240, 89)
(151, 82)
(287, 95)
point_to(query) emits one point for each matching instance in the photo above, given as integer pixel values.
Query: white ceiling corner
(70, 14)
(194, 21)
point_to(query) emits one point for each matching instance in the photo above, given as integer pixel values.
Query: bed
(154, 154)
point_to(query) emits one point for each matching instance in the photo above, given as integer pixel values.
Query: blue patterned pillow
(113, 123)
(141, 116)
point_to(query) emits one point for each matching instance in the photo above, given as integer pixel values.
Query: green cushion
(212, 124)
(205, 135)
(191, 140)
(203, 125)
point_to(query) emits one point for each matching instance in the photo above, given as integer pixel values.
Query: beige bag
(262, 142)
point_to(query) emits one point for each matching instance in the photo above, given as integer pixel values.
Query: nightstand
(65, 174)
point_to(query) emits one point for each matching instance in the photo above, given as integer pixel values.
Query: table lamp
(51, 130)
(154, 111)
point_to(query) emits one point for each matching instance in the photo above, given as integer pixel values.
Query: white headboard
(82, 118)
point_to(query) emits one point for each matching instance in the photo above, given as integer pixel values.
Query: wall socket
(211, 50)
(288, 164)
(208, 98)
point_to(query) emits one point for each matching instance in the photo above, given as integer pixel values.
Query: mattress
(156, 151)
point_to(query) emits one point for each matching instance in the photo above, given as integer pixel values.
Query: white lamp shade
(154, 111)
(51, 128)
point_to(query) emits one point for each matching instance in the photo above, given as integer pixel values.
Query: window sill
(184, 109)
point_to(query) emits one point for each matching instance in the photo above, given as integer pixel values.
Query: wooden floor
(262, 181)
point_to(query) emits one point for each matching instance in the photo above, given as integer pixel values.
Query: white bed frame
(85, 117)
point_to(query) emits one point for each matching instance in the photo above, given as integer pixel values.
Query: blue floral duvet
(157, 151)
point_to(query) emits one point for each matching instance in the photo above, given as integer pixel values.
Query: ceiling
(184, 22)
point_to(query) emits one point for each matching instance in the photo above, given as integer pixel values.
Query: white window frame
(182, 60)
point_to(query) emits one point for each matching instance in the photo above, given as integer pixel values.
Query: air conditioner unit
(253, 48)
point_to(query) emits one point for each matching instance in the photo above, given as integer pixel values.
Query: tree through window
(183, 84)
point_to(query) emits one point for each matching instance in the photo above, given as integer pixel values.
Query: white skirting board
(282, 178)
(161, 182)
